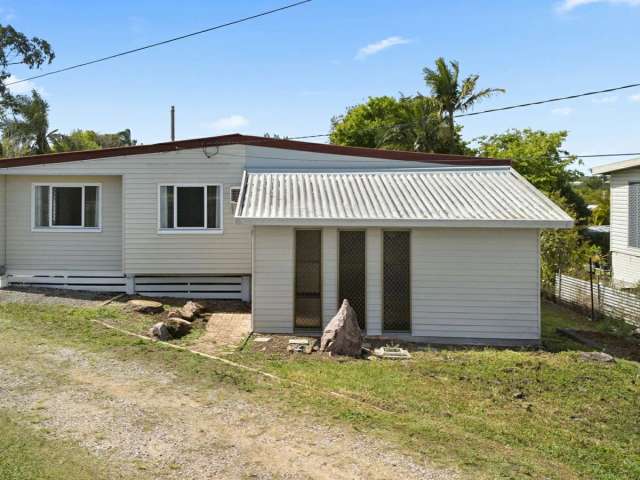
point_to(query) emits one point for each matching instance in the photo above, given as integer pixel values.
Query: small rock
(145, 306)
(519, 395)
(190, 310)
(178, 327)
(160, 332)
(597, 357)
(262, 339)
(636, 333)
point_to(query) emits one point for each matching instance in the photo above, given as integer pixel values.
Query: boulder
(597, 357)
(178, 327)
(160, 332)
(636, 333)
(190, 310)
(145, 306)
(342, 336)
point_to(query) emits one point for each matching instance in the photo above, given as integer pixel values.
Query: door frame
(295, 271)
(366, 272)
(410, 231)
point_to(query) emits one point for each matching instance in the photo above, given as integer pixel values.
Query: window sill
(66, 230)
(188, 231)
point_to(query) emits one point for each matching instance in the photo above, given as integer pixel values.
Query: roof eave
(395, 223)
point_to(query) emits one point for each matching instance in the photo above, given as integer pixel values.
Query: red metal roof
(238, 139)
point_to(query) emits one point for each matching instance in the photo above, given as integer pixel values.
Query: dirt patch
(53, 296)
(616, 345)
(143, 420)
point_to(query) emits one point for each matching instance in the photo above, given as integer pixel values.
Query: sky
(289, 73)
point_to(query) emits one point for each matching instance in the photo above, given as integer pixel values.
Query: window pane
(166, 207)
(90, 207)
(190, 206)
(634, 218)
(42, 206)
(212, 207)
(67, 206)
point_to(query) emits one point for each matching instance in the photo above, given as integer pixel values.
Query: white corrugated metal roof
(615, 166)
(457, 197)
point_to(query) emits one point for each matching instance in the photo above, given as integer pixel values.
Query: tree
(406, 123)
(26, 130)
(537, 155)
(91, 140)
(452, 94)
(17, 49)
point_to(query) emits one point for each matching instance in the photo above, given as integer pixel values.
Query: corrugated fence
(607, 301)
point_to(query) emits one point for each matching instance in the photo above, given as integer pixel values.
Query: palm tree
(26, 131)
(452, 94)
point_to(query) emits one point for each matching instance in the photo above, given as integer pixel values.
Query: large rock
(145, 306)
(178, 327)
(160, 332)
(342, 336)
(190, 310)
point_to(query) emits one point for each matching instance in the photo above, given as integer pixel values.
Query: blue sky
(289, 73)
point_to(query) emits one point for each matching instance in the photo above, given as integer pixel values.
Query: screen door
(308, 301)
(352, 279)
(396, 281)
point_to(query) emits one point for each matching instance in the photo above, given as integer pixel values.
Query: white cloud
(635, 98)
(23, 88)
(568, 5)
(228, 124)
(605, 99)
(562, 111)
(377, 47)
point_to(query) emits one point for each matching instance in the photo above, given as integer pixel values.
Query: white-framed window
(66, 207)
(634, 215)
(190, 208)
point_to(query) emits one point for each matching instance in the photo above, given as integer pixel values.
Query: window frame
(66, 228)
(193, 230)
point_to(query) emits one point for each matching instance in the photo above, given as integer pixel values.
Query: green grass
(26, 453)
(492, 413)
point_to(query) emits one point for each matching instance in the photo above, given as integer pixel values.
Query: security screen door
(308, 273)
(352, 279)
(396, 313)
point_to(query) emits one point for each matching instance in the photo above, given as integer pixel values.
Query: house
(625, 221)
(425, 246)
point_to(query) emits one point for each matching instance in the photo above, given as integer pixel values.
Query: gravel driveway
(147, 423)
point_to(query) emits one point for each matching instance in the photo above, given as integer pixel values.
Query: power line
(550, 100)
(595, 155)
(163, 42)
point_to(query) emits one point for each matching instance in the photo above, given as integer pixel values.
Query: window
(634, 214)
(235, 195)
(190, 208)
(68, 206)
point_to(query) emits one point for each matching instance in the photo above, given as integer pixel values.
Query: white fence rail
(90, 281)
(607, 301)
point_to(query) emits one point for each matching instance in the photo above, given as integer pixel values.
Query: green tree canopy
(91, 140)
(453, 94)
(537, 155)
(18, 49)
(25, 131)
(405, 123)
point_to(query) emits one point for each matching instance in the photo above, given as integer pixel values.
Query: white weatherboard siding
(465, 283)
(145, 250)
(475, 284)
(625, 259)
(329, 274)
(62, 251)
(273, 279)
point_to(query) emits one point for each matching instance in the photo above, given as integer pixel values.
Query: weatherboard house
(625, 219)
(441, 248)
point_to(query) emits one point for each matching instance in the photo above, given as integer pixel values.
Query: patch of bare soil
(147, 422)
(616, 345)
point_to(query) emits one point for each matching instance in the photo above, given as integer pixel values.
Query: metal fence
(598, 299)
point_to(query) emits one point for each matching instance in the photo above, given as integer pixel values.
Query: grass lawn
(26, 453)
(491, 413)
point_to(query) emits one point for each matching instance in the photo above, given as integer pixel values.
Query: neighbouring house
(625, 219)
(442, 248)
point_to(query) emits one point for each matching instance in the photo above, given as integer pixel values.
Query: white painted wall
(466, 283)
(625, 259)
(61, 251)
(273, 279)
(475, 283)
